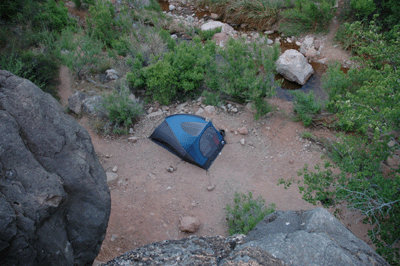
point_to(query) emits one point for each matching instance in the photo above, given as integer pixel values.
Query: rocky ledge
(312, 237)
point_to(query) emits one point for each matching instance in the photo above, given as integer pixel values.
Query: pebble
(211, 188)
(131, 139)
(115, 169)
(243, 142)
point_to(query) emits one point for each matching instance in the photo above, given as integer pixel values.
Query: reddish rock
(189, 224)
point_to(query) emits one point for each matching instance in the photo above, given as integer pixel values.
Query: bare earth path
(148, 201)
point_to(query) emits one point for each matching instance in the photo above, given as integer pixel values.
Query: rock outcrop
(312, 237)
(293, 66)
(54, 199)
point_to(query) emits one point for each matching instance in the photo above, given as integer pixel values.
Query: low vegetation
(246, 213)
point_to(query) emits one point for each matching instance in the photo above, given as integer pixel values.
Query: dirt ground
(148, 201)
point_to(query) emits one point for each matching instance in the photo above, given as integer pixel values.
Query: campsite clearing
(155, 188)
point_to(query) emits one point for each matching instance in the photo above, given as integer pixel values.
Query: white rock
(243, 142)
(227, 29)
(294, 66)
(171, 7)
(214, 16)
(306, 44)
(212, 25)
(311, 53)
(154, 114)
(209, 109)
(115, 169)
(200, 111)
(133, 139)
(111, 177)
(269, 32)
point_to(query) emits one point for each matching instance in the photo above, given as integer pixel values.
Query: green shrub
(243, 72)
(366, 102)
(177, 72)
(308, 15)
(78, 51)
(52, 16)
(41, 69)
(363, 7)
(206, 35)
(102, 23)
(246, 213)
(83, 3)
(122, 112)
(305, 105)
(211, 98)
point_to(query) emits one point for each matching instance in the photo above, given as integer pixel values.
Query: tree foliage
(366, 102)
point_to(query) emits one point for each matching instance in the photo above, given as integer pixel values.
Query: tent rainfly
(191, 138)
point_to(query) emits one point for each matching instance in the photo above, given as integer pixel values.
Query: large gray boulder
(293, 66)
(312, 237)
(54, 199)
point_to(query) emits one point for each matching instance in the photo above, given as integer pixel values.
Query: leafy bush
(78, 51)
(211, 98)
(180, 71)
(102, 23)
(52, 16)
(306, 106)
(243, 72)
(365, 101)
(206, 35)
(83, 3)
(41, 69)
(122, 112)
(246, 213)
(308, 15)
(361, 185)
(363, 7)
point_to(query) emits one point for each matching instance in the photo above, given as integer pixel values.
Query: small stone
(108, 156)
(133, 139)
(158, 113)
(291, 161)
(189, 224)
(169, 188)
(150, 110)
(234, 110)
(200, 111)
(170, 169)
(243, 131)
(211, 188)
(269, 32)
(209, 109)
(243, 142)
(115, 169)
(172, 7)
(131, 131)
(214, 16)
(111, 177)
(113, 237)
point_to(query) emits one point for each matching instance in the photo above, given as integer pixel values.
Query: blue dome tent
(191, 138)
